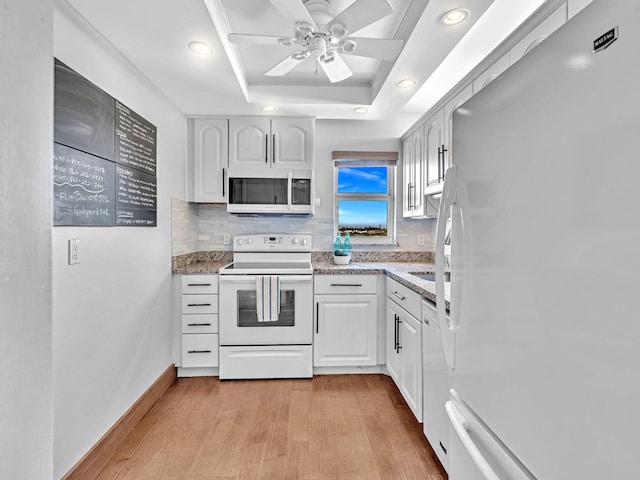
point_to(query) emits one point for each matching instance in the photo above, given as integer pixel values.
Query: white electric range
(251, 345)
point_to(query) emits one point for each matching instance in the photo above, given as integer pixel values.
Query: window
(365, 202)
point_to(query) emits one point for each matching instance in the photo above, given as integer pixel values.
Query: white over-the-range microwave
(286, 191)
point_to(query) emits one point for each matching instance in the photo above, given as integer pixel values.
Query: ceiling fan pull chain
(317, 61)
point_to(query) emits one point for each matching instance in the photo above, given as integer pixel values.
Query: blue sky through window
(362, 213)
(362, 180)
(357, 212)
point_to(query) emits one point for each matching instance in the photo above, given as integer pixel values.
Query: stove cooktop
(267, 268)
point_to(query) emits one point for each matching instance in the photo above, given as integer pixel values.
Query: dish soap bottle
(337, 246)
(346, 246)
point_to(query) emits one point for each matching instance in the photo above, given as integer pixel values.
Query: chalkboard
(135, 140)
(83, 113)
(136, 198)
(104, 157)
(83, 188)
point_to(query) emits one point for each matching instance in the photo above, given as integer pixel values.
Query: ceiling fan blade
(295, 11)
(285, 66)
(336, 70)
(362, 13)
(250, 39)
(375, 48)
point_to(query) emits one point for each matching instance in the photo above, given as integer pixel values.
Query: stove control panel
(284, 242)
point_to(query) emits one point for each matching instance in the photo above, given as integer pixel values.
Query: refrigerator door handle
(461, 426)
(447, 335)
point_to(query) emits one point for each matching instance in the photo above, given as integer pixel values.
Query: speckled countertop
(413, 262)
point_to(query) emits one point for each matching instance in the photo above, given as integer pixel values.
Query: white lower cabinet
(346, 321)
(404, 343)
(199, 321)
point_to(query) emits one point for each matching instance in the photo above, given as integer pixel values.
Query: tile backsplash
(201, 227)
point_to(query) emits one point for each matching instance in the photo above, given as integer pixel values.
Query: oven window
(248, 315)
(258, 191)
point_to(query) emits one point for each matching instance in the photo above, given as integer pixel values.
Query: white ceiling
(154, 34)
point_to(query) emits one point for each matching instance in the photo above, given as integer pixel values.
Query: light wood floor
(328, 427)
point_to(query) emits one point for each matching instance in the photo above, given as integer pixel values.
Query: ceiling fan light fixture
(337, 30)
(304, 28)
(455, 16)
(406, 83)
(286, 41)
(299, 56)
(348, 46)
(200, 48)
(327, 57)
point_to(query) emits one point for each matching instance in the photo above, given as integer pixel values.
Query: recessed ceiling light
(361, 110)
(269, 108)
(455, 16)
(200, 48)
(406, 83)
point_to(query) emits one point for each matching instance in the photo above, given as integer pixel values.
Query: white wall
(112, 312)
(26, 136)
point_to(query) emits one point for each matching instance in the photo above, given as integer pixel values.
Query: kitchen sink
(430, 277)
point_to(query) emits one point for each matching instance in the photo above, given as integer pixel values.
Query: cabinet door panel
(407, 162)
(346, 330)
(393, 355)
(434, 139)
(411, 360)
(292, 142)
(249, 140)
(210, 157)
(541, 32)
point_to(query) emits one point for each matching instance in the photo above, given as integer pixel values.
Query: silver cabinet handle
(199, 351)
(198, 324)
(317, 317)
(198, 284)
(266, 148)
(346, 284)
(398, 295)
(198, 304)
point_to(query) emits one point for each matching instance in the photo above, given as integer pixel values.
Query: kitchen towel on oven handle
(268, 298)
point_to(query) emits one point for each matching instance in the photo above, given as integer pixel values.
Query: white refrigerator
(543, 339)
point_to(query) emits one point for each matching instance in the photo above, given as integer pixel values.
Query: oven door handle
(252, 279)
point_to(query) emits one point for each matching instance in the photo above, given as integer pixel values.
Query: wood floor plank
(330, 427)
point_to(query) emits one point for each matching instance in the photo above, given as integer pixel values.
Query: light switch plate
(420, 240)
(226, 239)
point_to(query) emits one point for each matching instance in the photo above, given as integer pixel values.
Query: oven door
(239, 319)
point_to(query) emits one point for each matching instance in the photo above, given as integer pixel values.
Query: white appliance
(250, 348)
(544, 338)
(279, 191)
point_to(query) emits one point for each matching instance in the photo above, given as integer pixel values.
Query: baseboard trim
(97, 458)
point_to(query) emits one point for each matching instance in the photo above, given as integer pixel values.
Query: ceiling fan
(324, 37)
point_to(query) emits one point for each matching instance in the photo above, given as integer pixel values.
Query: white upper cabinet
(538, 34)
(434, 128)
(292, 142)
(208, 153)
(249, 142)
(271, 143)
(414, 162)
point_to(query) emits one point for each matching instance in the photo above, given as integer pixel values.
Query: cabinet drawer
(199, 304)
(200, 350)
(405, 297)
(200, 323)
(199, 284)
(344, 284)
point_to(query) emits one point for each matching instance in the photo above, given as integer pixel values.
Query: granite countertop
(395, 265)
(399, 271)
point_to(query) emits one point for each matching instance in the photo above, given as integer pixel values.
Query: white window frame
(389, 197)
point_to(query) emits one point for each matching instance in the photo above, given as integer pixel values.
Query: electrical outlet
(74, 251)
(420, 239)
(226, 239)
